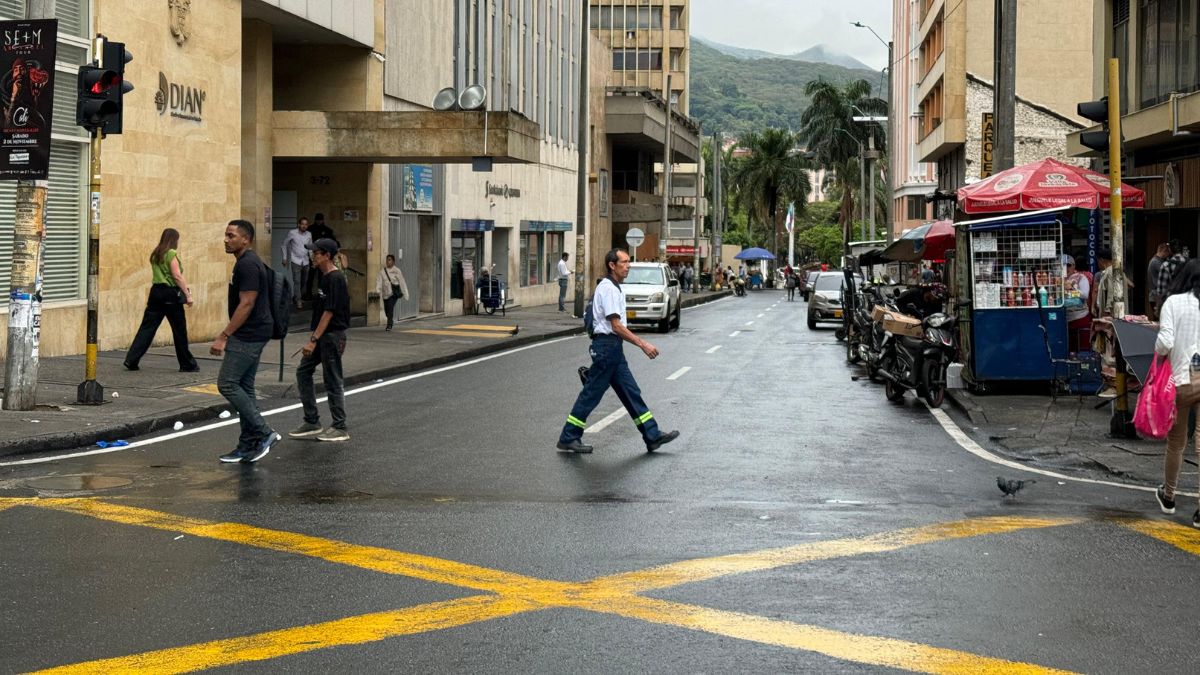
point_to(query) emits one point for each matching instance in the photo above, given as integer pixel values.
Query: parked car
(652, 295)
(806, 282)
(825, 303)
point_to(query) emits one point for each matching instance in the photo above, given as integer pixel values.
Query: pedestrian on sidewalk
(564, 275)
(609, 368)
(295, 258)
(391, 287)
(1153, 301)
(1179, 340)
(1168, 269)
(330, 319)
(688, 274)
(242, 341)
(169, 294)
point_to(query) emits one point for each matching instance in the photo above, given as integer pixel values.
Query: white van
(652, 295)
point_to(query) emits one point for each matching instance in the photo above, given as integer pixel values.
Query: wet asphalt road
(449, 536)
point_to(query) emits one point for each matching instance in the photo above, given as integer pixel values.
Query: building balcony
(629, 206)
(635, 118)
(1149, 127)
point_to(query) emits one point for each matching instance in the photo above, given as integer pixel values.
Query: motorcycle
(868, 339)
(919, 363)
(739, 286)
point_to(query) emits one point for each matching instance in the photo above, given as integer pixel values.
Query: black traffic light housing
(1096, 111)
(101, 90)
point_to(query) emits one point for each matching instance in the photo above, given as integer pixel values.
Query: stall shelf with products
(1018, 323)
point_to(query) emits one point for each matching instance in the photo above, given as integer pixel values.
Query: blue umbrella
(754, 254)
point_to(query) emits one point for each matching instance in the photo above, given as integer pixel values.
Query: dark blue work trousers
(609, 369)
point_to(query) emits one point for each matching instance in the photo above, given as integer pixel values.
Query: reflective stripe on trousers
(609, 369)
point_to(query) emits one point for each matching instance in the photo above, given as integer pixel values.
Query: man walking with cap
(609, 368)
(330, 319)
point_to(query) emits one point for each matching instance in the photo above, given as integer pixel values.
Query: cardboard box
(897, 323)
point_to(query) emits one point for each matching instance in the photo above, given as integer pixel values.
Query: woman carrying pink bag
(1179, 340)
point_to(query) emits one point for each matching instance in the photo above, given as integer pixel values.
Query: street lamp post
(890, 131)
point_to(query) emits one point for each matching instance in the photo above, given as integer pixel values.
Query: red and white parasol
(1044, 184)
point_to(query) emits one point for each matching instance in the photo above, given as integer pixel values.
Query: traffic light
(1096, 111)
(101, 89)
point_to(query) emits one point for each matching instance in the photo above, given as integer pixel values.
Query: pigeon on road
(1009, 487)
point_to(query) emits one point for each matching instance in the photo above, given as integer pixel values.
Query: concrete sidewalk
(158, 395)
(1067, 434)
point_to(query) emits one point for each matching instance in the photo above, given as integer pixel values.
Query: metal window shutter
(12, 9)
(71, 14)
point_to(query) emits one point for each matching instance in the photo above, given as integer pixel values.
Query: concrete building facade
(647, 41)
(912, 179)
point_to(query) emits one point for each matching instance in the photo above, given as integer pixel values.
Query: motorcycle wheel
(840, 334)
(935, 384)
(852, 355)
(893, 391)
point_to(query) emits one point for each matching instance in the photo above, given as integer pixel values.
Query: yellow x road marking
(507, 594)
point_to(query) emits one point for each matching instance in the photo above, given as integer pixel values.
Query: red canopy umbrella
(926, 242)
(1044, 184)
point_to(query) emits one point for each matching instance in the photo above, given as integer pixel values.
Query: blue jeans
(236, 384)
(609, 369)
(328, 355)
(562, 294)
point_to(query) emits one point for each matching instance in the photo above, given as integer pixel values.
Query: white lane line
(679, 373)
(733, 334)
(967, 443)
(712, 350)
(295, 406)
(760, 316)
(771, 308)
(749, 323)
(599, 426)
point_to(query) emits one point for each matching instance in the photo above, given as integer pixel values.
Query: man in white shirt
(609, 368)
(296, 259)
(564, 275)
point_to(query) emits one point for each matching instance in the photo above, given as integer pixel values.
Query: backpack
(280, 302)
(589, 324)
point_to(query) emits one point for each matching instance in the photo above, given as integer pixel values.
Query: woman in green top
(168, 295)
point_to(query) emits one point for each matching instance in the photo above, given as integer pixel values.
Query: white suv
(652, 295)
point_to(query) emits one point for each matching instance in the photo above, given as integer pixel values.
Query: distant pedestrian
(169, 294)
(1169, 268)
(688, 275)
(564, 275)
(927, 275)
(295, 258)
(1153, 301)
(242, 341)
(1179, 340)
(391, 287)
(790, 282)
(330, 319)
(319, 230)
(609, 368)
(1079, 319)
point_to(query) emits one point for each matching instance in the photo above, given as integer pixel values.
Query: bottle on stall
(1010, 298)
(1025, 297)
(1043, 296)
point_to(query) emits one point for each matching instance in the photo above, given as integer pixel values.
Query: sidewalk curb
(965, 404)
(190, 415)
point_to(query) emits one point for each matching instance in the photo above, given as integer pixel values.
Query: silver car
(652, 295)
(825, 303)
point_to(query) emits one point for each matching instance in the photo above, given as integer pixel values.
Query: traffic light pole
(90, 391)
(1121, 423)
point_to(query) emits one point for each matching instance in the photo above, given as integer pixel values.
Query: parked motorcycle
(919, 363)
(867, 338)
(739, 286)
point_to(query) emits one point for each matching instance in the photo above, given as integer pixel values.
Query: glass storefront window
(532, 257)
(464, 246)
(554, 251)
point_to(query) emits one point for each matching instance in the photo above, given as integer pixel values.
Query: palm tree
(829, 131)
(772, 173)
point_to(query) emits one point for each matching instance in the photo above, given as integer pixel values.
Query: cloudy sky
(790, 26)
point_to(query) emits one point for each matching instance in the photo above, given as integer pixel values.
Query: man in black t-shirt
(242, 342)
(330, 319)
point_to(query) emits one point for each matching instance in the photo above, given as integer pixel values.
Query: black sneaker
(1167, 505)
(232, 457)
(1196, 519)
(264, 446)
(661, 441)
(130, 366)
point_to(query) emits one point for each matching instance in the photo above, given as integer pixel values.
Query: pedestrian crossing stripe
(209, 388)
(508, 594)
(458, 333)
(476, 326)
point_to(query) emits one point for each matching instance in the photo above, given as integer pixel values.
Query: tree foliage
(770, 176)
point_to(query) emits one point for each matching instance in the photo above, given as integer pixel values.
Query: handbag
(1155, 413)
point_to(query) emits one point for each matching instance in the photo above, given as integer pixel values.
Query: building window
(1168, 41)
(64, 250)
(533, 257)
(468, 247)
(554, 251)
(676, 18)
(637, 59)
(675, 98)
(916, 207)
(676, 59)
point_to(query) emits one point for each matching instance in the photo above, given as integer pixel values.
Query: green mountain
(734, 95)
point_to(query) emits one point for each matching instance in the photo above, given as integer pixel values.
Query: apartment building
(648, 41)
(912, 180)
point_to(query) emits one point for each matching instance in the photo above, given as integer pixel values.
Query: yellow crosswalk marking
(8, 502)
(457, 333)
(1181, 537)
(274, 644)
(480, 326)
(209, 388)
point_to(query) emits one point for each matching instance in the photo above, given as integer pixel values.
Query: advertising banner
(418, 187)
(26, 97)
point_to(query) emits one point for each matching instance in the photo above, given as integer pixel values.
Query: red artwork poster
(26, 97)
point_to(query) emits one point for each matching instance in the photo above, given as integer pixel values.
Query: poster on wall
(418, 187)
(26, 97)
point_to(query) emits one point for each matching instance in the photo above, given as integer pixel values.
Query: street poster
(26, 97)
(418, 187)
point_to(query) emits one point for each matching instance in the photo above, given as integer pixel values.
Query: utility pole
(890, 146)
(666, 190)
(862, 187)
(697, 218)
(581, 168)
(872, 155)
(1005, 86)
(25, 276)
(1121, 420)
(718, 229)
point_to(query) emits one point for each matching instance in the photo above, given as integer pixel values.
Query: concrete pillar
(257, 104)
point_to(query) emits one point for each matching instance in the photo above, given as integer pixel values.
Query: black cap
(327, 246)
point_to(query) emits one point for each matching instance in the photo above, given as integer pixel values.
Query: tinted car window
(645, 275)
(830, 281)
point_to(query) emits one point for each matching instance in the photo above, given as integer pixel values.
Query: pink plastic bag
(1155, 414)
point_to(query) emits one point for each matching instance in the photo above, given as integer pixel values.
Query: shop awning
(472, 225)
(1043, 217)
(546, 226)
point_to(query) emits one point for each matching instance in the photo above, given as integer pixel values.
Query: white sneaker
(333, 435)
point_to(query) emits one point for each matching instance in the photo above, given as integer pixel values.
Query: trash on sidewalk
(112, 444)
(224, 414)
(178, 425)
